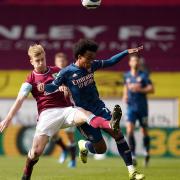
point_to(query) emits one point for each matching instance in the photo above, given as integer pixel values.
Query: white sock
(131, 168)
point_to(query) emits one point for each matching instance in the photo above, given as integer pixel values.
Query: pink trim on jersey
(46, 101)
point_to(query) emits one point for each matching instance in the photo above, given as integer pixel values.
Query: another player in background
(55, 111)
(136, 87)
(79, 78)
(61, 62)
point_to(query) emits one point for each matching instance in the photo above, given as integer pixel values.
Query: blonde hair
(35, 50)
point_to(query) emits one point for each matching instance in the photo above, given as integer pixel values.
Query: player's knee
(130, 130)
(36, 152)
(117, 136)
(32, 155)
(87, 113)
(144, 131)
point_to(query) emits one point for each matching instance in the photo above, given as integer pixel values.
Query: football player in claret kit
(79, 78)
(136, 87)
(61, 61)
(55, 111)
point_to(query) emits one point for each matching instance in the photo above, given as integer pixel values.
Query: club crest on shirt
(54, 75)
(128, 80)
(74, 75)
(138, 79)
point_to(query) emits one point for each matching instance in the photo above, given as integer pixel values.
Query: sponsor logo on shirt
(54, 75)
(138, 79)
(84, 81)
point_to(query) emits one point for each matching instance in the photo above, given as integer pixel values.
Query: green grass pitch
(108, 169)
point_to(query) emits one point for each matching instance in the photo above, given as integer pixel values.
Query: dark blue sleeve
(124, 78)
(147, 79)
(114, 59)
(97, 64)
(56, 83)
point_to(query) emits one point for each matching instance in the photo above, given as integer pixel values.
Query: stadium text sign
(66, 32)
(157, 31)
(165, 142)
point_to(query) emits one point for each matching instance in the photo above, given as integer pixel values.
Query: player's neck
(78, 64)
(41, 71)
(134, 71)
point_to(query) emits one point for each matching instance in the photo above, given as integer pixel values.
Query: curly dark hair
(84, 45)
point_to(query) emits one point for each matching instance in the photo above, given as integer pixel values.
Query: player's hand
(40, 87)
(135, 50)
(135, 87)
(4, 124)
(63, 88)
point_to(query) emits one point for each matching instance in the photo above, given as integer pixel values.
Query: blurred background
(116, 25)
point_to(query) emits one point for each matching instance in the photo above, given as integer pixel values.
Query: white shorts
(53, 119)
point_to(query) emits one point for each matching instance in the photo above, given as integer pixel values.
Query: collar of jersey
(79, 67)
(41, 73)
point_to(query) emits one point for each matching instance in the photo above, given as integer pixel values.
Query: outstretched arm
(23, 93)
(118, 57)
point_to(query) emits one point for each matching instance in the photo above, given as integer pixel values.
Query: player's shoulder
(65, 71)
(127, 74)
(54, 69)
(96, 61)
(29, 77)
(143, 74)
(71, 67)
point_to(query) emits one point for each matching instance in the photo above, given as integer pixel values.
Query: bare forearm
(148, 89)
(125, 94)
(14, 109)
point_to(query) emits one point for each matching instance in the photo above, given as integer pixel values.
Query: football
(91, 4)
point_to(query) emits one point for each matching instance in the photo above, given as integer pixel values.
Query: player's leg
(71, 116)
(39, 143)
(50, 121)
(131, 140)
(72, 146)
(125, 153)
(122, 145)
(58, 140)
(82, 116)
(130, 126)
(94, 142)
(146, 139)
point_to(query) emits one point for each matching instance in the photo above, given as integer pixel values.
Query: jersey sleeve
(25, 89)
(97, 64)
(124, 78)
(58, 81)
(147, 79)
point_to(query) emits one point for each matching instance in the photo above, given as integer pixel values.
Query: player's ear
(79, 56)
(31, 61)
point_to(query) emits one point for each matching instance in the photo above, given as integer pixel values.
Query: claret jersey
(44, 100)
